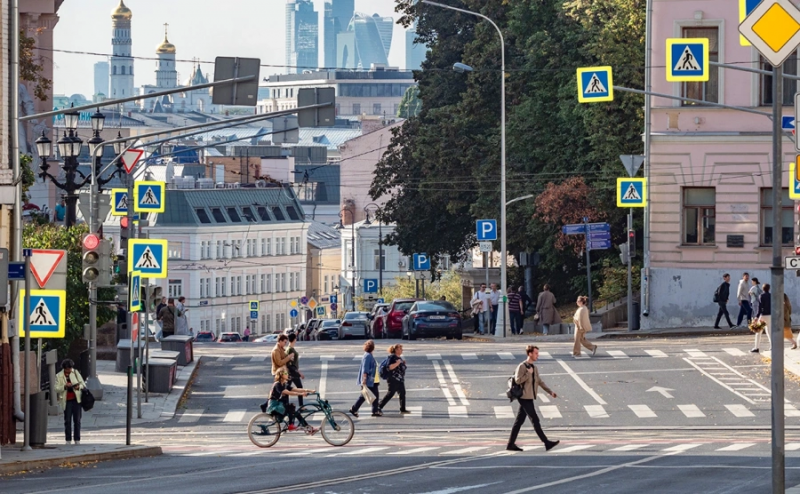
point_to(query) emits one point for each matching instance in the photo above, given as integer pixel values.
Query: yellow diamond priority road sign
(773, 28)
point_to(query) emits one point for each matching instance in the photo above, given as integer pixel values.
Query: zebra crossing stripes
(457, 412)
(309, 452)
(234, 416)
(656, 353)
(545, 356)
(571, 449)
(792, 446)
(469, 356)
(413, 451)
(616, 353)
(629, 447)
(416, 412)
(550, 412)
(740, 411)
(465, 451)
(259, 359)
(362, 451)
(596, 411)
(696, 354)
(691, 411)
(680, 448)
(191, 416)
(434, 356)
(505, 355)
(734, 352)
(224, 359)
(504, 412)
(642, 411)
(736, 447)
(790, 410)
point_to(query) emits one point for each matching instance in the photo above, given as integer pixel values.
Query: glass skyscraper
(302, 36)
(338, 14)
(367, 41)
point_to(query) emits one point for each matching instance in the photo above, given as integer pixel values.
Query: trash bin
(124, 354)
(38, 424)
(166, 354)
(179, 343)
(636, 316)
(162, 375)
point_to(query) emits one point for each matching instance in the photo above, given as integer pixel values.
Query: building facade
(710, 177)
(121, 59)
(101, 75)
(302, 36)
(366, 43)
(415, 52)
(324, 262)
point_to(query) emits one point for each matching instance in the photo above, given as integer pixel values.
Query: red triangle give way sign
(44, 263)
(130, 158)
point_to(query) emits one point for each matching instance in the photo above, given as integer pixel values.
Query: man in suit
(527, 376)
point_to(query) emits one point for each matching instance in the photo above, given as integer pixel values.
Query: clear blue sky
(202, 29)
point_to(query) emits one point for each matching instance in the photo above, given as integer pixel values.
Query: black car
(205, 336)
(432, 318)
(323, 327)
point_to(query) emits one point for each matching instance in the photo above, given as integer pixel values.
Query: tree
(410, 105)
(30, 68)
(449, 287)
(568, 203)
(28, 177)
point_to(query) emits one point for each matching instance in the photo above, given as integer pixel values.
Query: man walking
(527, 376)
(495, 301)
(515, 310)
(167, 316)
(482, 308)
(279, 356)
(721, 298)
(743, 296)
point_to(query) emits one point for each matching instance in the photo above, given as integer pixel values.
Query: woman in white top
(583, 325)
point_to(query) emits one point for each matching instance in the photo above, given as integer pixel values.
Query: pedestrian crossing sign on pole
(149, 197)
(687, 59)
(48, 313)
(119, 202)
(794, 183)
(595, 84)
(135, 292)
(745, 7)
(631, 192)
(148, 256)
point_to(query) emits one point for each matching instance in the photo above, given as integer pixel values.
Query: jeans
(526, 409)
(360, 401)
(545, 328)
(72, 415)
(398, 387)
(723, 309)
(516, 321)
(494, 319)
(744, 310)
(484, 322)
(298, 384)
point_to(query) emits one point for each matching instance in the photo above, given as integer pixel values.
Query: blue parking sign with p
(421, 262)
(370, 286)
(487, 230)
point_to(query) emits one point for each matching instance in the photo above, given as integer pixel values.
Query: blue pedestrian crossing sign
(148, 256)
(421, 262)
(745, 7)
(135, 292)
(149, 197)
(119, 202)
(595, 84)
(794, 184)
(687, 59)
(320, 311)
(48, 313)
(631, 192)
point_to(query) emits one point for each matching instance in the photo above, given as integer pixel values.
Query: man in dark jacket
(721, 298)
(167, 317)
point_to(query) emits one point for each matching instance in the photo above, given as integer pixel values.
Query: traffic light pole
(630, 274)
(93, 383)
(129, 315)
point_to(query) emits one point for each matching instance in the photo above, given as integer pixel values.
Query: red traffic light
(91, 241)
(631, 233)
(123, 222)
(797, 251)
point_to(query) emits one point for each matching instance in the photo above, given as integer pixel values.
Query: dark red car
(393, 321)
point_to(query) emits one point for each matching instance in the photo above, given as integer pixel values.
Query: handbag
(514, 391)
(87, 400)
(367, 394)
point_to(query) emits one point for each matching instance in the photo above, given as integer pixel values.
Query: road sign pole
(143, 283)
(778, 454)
(26, 443)
(630, 274)
(588, 263)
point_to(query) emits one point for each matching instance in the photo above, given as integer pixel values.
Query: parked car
(325, 326)
(304, 335)
(354, 324)
(269, 338)
(205, 336)
(393, 320)
(377, 317)
(231, 337)
(432, 318)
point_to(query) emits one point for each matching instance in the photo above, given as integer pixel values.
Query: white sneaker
(77, 443)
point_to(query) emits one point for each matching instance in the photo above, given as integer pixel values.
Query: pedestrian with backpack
(527, 376)
(393, 370)
(721, 296)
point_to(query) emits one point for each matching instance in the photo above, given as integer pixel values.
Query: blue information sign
(293, 313)
(16, 271)
(580, 228)
(253, 314)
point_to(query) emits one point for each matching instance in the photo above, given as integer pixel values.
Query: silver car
(354, 324)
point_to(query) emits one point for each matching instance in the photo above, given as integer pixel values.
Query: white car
(269, 338)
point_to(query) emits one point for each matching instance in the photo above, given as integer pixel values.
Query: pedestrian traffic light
(121, 264)
(632, 242)
(124, 231)
(104, 264)
(90, 258)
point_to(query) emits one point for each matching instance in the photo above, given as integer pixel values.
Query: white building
(228, 247)
(121, 60)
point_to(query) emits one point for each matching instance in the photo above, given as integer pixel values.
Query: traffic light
(90, 259)
(104, 264)
(121, 266)
(124, 231)
(632, 242)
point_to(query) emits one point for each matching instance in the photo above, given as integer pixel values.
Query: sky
(200, 29)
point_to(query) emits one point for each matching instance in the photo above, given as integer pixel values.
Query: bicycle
(337, 428)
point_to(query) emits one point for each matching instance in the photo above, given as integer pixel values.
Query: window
(326, 284)
(787, 218)
(263, 214)
(396, 109)
(269, 246)
(248, 214)
(268, 288)
(238, 285)
(706, 91)
(376, 108)
(380, 258)
(208, 287)
(356, 109)
(175, 250)
(202, 215)
(234, 215)
(348, 248)
(789, 85)
(220, 249)
(202, 288)
(263, 284)
(247, 285)
(278, 213)
(220, 327)
(292, 213)
(699, 215)
(283, 282)
(218, 216)
(233, 286)
(123, 70)
(175, 289)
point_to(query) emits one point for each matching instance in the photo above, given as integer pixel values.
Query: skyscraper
(121, 60)
(101, 79)
(415, 52)
(338, 14)
(367, 41)
(302, 36)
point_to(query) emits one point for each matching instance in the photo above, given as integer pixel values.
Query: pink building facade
(710, 177)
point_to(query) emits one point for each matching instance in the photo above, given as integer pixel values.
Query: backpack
(87, 400)
(383, 369)
(716, 294)
(514, 391)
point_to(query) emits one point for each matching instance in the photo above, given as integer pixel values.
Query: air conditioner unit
(401, 264)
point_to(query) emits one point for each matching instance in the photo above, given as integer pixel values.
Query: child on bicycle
(278, 404)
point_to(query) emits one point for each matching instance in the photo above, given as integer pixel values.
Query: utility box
(124, 354)
(182, 344)
(163, 374)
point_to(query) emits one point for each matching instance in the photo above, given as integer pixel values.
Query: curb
(186, 387)
(616, 335)
(44, 464)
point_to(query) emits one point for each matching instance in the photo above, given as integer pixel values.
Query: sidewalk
(15, 461)
(791, 359)
(607, 335)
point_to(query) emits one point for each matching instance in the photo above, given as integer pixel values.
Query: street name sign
(149, 197)
(791, 263)
(580, 228)
(48, 313)
(600, 244)
(687, 60)
(773, 27)
(149, 256)
(595, 84)
(485, 246)
(631, 192)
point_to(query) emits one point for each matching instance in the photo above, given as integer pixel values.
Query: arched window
(123, 70)
(115, 70)
(131, 70)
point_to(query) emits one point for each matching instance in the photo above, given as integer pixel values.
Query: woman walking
(582, 326)
(369, 380)
(546, 309)
(527, 376)
(69, 385)
(755, 295)
(397, 376)
(764, 313)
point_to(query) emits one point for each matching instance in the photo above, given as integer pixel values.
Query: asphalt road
(704, 428)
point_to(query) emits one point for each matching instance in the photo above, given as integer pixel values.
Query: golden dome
(165, 47)
(121, 12)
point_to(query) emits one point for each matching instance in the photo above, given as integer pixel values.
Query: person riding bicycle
(278, 404)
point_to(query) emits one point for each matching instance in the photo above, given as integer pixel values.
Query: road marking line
(204, 453)
(449, 396)
(416, 412)
(724, 385)
(550, 412)
(469, 356)
(434, 356)
(696, 353)
(234, 416)
(545, 356)
(362, 451)
(505, 355)
(457, 412)
(450, 371)
(439, 374)
(691, 411)
(461, 395)
(735, 352)
(656, 353)
(680, 448)
(310, 452)
(327, 357)
(413, 451)
(543, 397)
(357, 357)
(596, 411)
(581, 382)
(739, 411)
(464, 451)
(258, 359)
(792, 446)
(190, 416)
(737, 447)
(504, 412)
(323, 378)
(224, 359)
(531, 448)
(250, 453)
(642, 411)
(629, 447)
(616, 353)
(577, 447)
(791, 411)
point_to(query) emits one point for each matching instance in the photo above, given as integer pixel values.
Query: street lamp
(503, 247)
(352, 253)
(380, 241)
